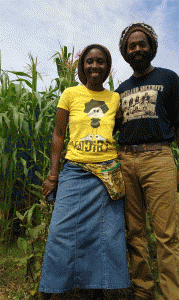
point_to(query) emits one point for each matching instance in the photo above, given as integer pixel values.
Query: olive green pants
(151, 181)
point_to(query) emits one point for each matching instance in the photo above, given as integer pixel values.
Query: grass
(13, 285)
(12, 276)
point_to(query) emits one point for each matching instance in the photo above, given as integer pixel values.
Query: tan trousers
(151, 180)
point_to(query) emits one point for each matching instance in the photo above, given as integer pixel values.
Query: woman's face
(95, 65)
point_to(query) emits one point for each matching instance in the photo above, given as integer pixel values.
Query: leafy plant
(175, 151)
(33, 244)
(26, 124)
(66, 69)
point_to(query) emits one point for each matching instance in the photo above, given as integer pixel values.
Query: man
(146, 131)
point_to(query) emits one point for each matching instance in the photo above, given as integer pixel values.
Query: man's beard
(140, 65)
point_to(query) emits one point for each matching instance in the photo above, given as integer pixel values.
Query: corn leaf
(4, 162)
(20, 216)
(29, 214)
(24, 163)
(24, 80)
(20, 73)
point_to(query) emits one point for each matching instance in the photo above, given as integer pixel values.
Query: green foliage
(12, 275)
(33, 244)
(66, 69)
(111, 83)
(26, 125)
(175, 151)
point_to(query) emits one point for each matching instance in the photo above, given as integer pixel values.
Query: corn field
(26, 125)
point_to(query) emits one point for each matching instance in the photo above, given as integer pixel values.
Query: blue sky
(38, 26)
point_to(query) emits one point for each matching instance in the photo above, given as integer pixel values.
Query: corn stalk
(66, 69)
(26, 124)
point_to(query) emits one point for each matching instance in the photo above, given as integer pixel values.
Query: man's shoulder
(164, 71)
(166, 77)
(124, 85)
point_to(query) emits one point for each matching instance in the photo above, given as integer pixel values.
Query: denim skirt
(86, 245)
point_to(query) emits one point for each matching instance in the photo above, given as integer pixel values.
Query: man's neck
(146, 71)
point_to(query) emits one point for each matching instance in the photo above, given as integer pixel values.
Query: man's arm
(177, 137)
(118, 122)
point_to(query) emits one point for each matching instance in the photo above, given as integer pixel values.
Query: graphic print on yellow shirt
(95, 110)
(91, 122)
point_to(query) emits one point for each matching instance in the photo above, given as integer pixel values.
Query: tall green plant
(33, 244)
(26, 124)
(36, 234)
(66, 69)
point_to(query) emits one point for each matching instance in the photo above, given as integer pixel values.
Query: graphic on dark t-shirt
(139, 105)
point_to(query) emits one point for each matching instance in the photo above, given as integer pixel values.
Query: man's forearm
(177, 138)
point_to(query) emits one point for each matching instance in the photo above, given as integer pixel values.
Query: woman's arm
(61, 121)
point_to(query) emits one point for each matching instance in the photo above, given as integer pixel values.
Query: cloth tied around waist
(110, 174)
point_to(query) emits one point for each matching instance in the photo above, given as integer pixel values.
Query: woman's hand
(48, 186)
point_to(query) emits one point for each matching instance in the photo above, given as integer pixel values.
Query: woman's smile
(95, 65)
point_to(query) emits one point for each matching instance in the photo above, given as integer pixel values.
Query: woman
(86, 243)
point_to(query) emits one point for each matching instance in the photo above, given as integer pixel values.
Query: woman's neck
(96, 87)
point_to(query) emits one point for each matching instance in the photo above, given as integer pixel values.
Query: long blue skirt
(86, 245)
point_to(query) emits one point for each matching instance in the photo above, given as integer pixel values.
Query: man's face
(138, 51)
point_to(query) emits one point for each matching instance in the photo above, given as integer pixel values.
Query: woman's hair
(85, 51)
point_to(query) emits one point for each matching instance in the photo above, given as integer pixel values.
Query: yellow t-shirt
(91, 122)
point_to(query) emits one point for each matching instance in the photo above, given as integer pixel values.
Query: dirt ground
(73, 295)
